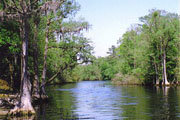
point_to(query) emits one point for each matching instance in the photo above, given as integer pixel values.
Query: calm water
(100, 100)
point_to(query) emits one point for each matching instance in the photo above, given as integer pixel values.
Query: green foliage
(86, 72)
(136, 60)
(9, 38)
(10, 52)
(141, 49)
(67, 46)
(139, 57)
(100, 69)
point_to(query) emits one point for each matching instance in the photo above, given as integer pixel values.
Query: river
(100, 100)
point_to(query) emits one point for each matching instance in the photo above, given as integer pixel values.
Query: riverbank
(3, 112)
(7, 102)
(120, 79)
(127, 79)
(7, 99)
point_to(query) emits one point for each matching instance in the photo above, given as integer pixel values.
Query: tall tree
(36, 81)
(54, 19)
(161, 29)
(22, 11)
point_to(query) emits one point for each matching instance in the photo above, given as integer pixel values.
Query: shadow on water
(99, 100)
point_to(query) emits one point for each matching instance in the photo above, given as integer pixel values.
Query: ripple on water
(99, 100)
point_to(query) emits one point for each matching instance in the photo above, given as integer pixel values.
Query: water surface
(99, 100)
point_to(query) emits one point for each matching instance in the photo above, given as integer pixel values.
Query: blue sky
(111, 18)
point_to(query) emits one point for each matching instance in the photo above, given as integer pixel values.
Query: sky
(111, 18)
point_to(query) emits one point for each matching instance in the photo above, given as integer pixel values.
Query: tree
(53, 24)
(69, 51)
(36, 81)
(10, 53)
(161, 28)
(148, 52)
(22, 11)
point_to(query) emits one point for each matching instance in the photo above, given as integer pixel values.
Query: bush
(127, 79)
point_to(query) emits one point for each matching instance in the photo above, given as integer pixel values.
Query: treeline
(41, 42)
(148, 53)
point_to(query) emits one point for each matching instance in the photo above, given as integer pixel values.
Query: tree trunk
(164, 67)
(156, 69)
(43, 93)
(11, 70)
(36, 90)
(157, 76)
(24, 106)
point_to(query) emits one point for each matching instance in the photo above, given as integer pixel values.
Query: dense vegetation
(40, 42)
(148, 53)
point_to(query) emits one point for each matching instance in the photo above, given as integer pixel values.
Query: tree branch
(12, 16)
(10, 6)
(34, 2)
(16, 8)
(52, 78)
(49, 5)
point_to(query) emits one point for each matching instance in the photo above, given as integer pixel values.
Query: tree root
(21, 111)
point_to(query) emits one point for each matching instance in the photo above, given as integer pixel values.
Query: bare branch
(34, 2)
(23, 6)
(11, 16)
(1, 15)
(50, 6)
(52, 78)
(11, 6)
(17, 9)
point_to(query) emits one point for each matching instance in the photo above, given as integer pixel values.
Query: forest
(147, 54)
(42, 43)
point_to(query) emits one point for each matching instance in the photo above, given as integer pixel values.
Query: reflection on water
(100, 100)
(32, 117)
(61, 104)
